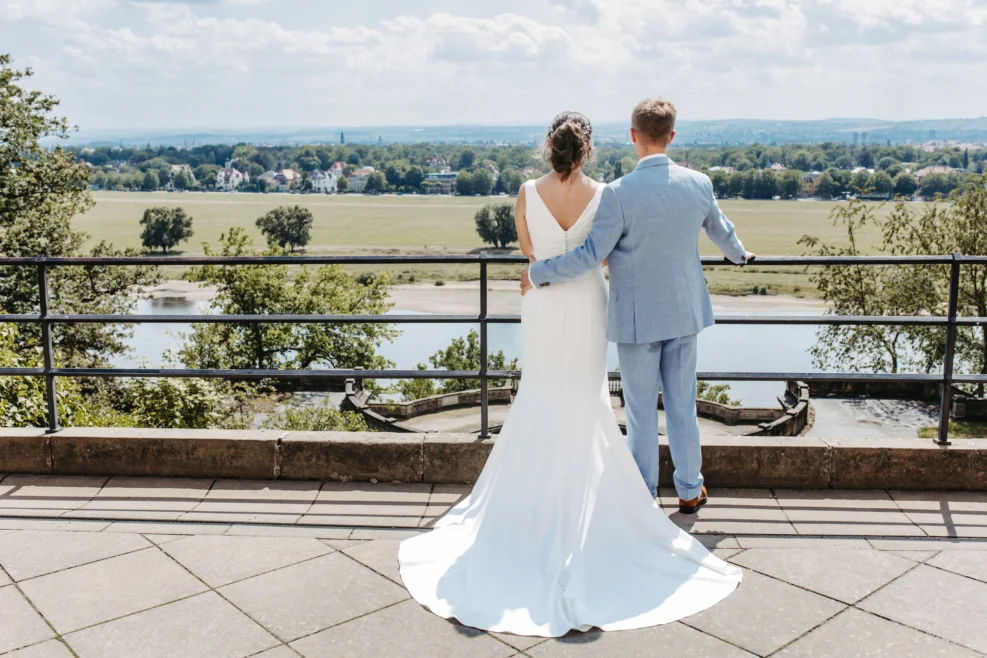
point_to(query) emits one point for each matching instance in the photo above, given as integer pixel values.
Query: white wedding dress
(560, 531)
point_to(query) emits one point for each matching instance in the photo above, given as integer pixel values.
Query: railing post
(947, 365)
(46, 346)
(484, 384)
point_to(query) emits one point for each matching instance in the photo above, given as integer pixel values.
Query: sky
(161, 64)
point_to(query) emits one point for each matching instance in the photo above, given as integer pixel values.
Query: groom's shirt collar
(653, 160)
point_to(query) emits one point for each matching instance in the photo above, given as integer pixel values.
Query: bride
(560, 531)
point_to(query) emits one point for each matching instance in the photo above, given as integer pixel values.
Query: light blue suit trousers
(671, 366)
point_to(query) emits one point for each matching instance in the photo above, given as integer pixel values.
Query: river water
(722, 348)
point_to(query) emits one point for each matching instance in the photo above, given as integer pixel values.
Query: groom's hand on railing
(748, 259)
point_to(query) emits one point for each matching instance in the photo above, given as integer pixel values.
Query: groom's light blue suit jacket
(648, 226)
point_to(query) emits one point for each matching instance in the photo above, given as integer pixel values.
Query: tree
(464, 183)
(861, 181)
(466, 158)
(966, 158)
(865, 159)
(918, 290)
(905, 185)
(42, 188)
(881, 183)
(287, 226)
(826, 186)
(766, 185)
(482, 182)
(342, 185)
(273, 289)
(164, 228)
(495, 225)
(151, 181)
(181, 181)
(461, 354)
(944, 228)
(394, 175)
(510, 181)
(790, 184)
(865, 291)
(375, 183)
(721, 183)
(886, 163)
(934, 184)
(413, 178)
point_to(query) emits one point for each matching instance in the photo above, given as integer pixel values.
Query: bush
(324, 418)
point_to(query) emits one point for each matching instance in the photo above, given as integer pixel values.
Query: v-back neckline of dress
(579, 219)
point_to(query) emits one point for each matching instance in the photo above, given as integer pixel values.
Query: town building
(436, 163)
(358, 179)
(809, 182)
(931, 171)
(777, 167)
(338, 169)
(281, 180)
(323, 182)
(440, 182)
(729, 171)
(228, 179)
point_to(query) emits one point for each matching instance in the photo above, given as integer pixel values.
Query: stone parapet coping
(741, 462)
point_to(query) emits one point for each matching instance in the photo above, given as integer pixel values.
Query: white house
(227, 180)
(175, 170)
(280, 180)
(338, 169)
(323, 182)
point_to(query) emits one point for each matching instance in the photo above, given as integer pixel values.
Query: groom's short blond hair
(654, 120)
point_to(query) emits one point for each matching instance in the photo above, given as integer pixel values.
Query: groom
(648, 228)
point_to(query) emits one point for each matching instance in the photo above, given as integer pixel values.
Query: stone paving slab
(309, 597)
(765, 614)
(937, 602)
(670, 640)
(728, 510)
(221, 560)
(163, 499)
(20, 624)
(104, 590)
(956, 514)
(153, 587)
(255, 501)
(820, 512)
(341, 504)
(861, 635)
(46, 495)
(844, 575)
(28, 554)
(203, 625)
(404, 630)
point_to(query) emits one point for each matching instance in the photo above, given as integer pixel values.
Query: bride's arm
(521, 223)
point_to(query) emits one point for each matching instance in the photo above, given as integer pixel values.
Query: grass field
(410, 224)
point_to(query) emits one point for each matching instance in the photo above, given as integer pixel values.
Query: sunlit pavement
(107, 567)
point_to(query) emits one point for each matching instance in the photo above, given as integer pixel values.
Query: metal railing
(946, 379)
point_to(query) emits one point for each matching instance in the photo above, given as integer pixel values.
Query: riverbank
(504, 298)
(463, 297)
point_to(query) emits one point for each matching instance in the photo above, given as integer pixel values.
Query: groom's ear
(633, 136)
(671, 136)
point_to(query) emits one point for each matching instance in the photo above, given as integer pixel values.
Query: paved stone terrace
(101, 567)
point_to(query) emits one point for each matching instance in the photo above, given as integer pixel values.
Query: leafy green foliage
(322, 418)
(165, 228)
(273, 289)
(718, 393)
(461, 354)
(495, 225)
(22, 399)
(937, 228)
(287, 226)
(41, 189)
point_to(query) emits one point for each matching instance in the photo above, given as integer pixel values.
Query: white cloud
(299, 61)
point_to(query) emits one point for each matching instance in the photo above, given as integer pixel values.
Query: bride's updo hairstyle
(570, 141)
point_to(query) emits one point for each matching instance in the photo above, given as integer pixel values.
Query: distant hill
(719, 132)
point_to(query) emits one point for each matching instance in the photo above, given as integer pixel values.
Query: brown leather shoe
(692, 506)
